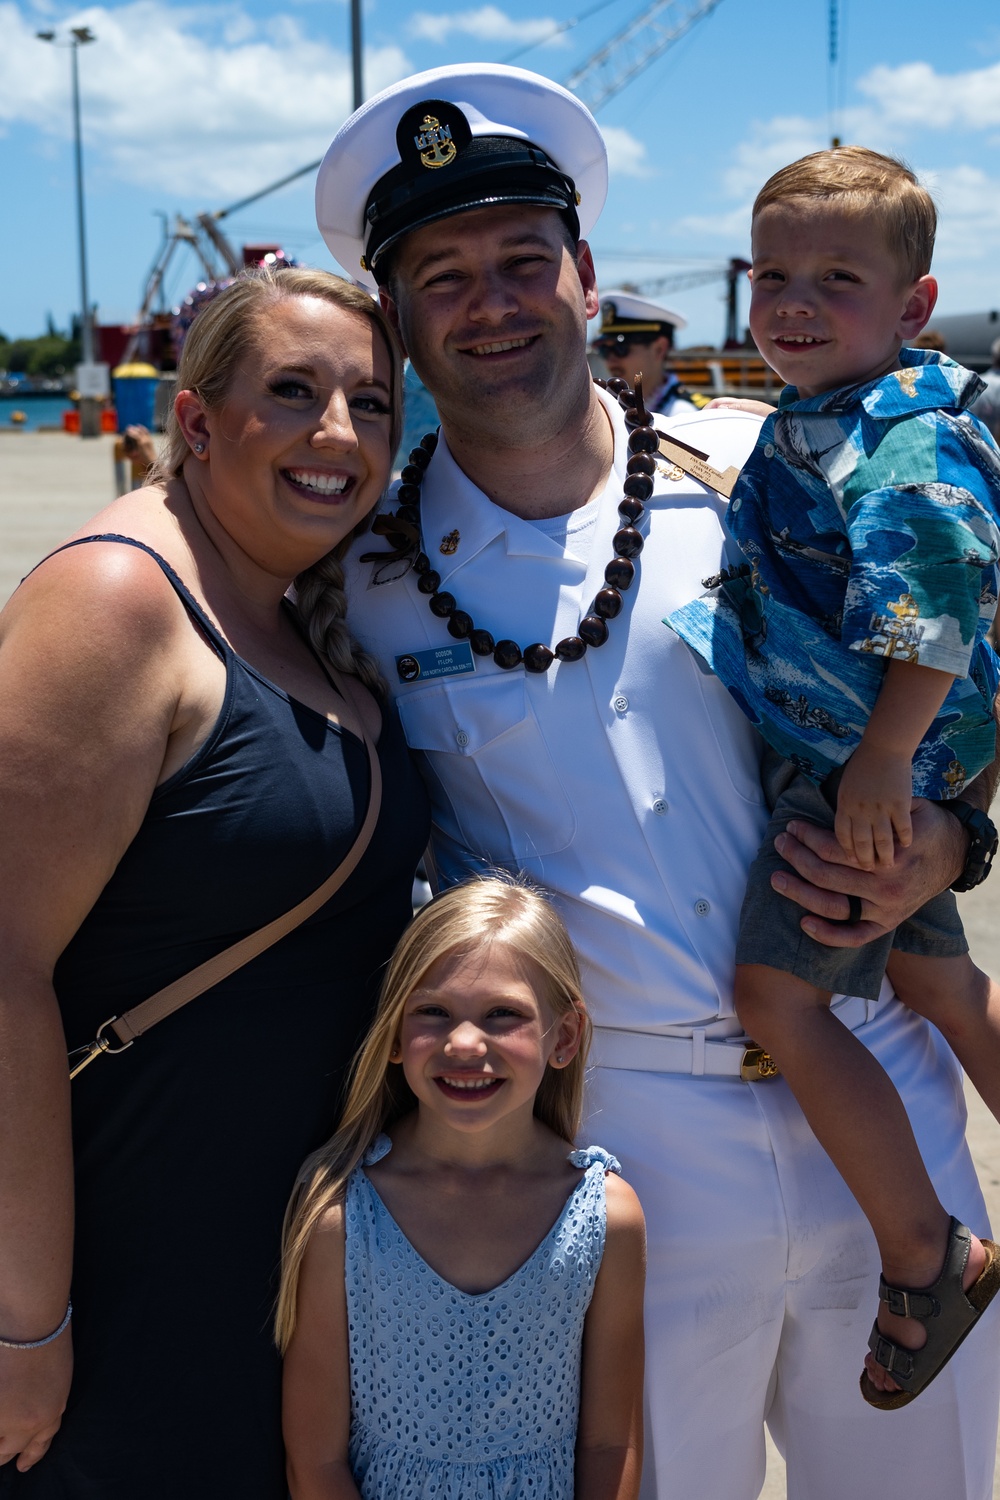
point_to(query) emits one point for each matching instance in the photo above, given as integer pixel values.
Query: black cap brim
(492, 170)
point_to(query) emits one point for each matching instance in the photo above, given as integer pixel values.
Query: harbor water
(38, 411)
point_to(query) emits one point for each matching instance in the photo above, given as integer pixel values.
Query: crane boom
(646, 37)
(632, 49)
(605, 73)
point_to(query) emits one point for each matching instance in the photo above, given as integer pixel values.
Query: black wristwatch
(983, 841)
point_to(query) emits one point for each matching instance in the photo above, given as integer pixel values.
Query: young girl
(461, 1299)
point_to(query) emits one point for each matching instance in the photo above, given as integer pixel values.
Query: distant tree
(17, 355)
(47, 357)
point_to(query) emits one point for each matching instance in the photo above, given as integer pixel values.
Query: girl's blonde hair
(469, 918)
(224, 334)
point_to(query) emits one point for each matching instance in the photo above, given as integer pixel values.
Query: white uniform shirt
(626, 783)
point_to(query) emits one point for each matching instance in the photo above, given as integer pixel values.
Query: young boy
(853, 635)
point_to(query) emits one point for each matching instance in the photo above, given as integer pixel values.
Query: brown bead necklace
(403, 528)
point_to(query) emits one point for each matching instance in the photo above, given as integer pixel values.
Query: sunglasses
(623, 344)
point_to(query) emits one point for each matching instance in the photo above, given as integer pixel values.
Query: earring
(559, 1057)
(396, 1052)
(199, 447)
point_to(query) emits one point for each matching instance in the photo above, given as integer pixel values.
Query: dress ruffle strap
(380, 1146)
(587, 1156)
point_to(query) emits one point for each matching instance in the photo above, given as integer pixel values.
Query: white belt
(736, 1057)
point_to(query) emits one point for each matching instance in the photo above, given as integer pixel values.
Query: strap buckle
(93, 1049)
(757, 1065)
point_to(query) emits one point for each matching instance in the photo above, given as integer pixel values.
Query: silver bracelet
(39, 1343)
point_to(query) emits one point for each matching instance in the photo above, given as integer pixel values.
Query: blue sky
(188, 108)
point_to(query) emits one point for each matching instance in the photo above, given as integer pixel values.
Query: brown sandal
(949, 1313)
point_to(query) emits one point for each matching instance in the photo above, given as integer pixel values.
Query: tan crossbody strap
(141, 1017)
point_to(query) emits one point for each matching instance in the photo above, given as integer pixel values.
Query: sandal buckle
(905, 1304)
(898, 1302)
(892, 1358)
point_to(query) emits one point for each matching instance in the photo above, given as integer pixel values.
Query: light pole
(359, 87)
(89, 403)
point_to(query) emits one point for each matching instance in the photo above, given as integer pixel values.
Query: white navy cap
(452, 139)
(625, 315)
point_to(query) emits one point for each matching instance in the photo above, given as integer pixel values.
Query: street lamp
(89, 404)
(359, 87)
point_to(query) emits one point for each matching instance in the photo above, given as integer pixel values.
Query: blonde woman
(461, 1302)
(179, 765)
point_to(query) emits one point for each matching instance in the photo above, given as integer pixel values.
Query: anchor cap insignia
(436, 147)
(431, 134)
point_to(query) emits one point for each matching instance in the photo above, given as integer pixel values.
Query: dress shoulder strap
(363, 717)
(180, 588)
(590, 1156)
(380, 1146)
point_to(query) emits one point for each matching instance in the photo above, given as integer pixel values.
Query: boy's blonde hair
(474, 917)
(879, 189)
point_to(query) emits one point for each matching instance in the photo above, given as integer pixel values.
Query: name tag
(693, 462)
(440, 661)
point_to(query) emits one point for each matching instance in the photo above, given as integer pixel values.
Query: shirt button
(461, 739)
(659, 807)
(768, 450)
(735, 504)
(621, 703)
(702, 908)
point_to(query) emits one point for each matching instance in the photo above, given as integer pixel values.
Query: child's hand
(873, 805)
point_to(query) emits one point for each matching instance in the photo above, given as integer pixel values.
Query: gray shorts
(769, 924)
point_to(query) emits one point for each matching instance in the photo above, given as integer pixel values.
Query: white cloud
(916, 96)
(199, 107)
(901, 101)
(770, 145)
(733, 225)
(968, 201)
(626, 154)
(487, 24)
(238, 28)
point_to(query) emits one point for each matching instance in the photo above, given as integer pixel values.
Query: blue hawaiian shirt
(868, 519)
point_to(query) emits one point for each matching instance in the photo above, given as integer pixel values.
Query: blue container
(135, 395)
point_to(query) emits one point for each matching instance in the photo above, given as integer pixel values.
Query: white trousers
(763, 1286)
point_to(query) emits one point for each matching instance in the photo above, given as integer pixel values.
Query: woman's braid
(322, 604)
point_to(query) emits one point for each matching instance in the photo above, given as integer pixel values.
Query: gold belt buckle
(757, 1065)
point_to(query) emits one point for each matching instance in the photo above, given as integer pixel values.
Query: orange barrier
(71, 420)
(109, 419)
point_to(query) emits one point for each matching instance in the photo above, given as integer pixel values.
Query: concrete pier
(50, 483)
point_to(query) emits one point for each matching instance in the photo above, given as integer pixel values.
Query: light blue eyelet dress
(462, 1396)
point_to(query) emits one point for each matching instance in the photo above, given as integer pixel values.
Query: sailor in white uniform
(513, 591)
(635, 338)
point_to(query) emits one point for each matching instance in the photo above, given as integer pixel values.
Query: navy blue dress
(188, 1143)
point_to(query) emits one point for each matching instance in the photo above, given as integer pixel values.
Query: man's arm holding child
(824, 876)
